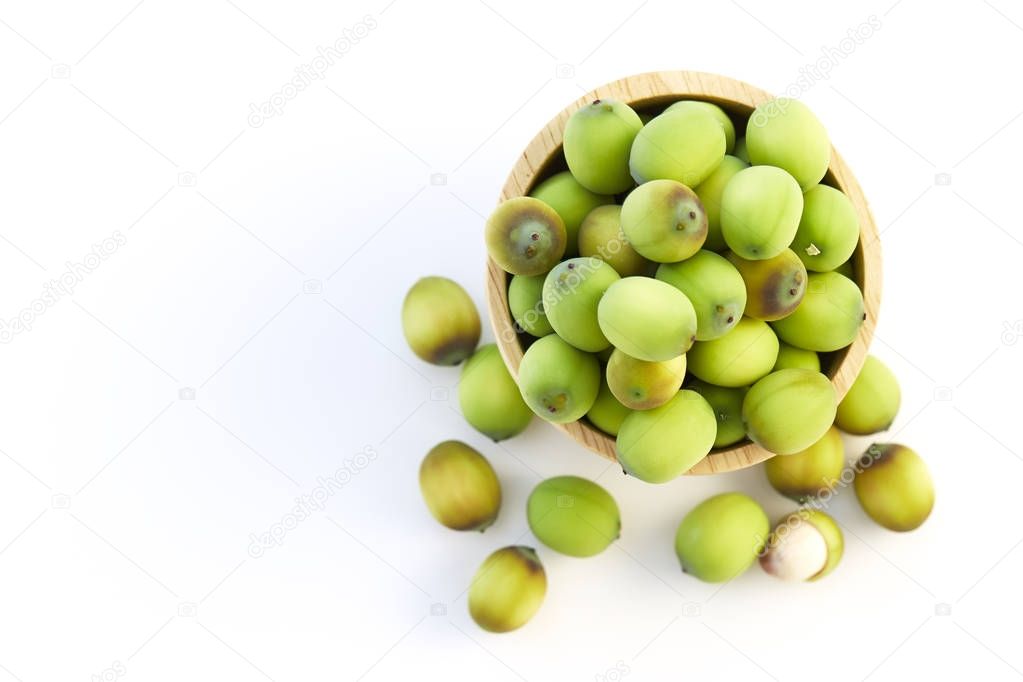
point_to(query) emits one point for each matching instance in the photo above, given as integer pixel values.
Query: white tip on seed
(798, 553)
(812, 250)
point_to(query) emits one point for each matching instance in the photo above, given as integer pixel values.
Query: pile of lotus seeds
(679, 289)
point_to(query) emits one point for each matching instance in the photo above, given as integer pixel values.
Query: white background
(126, 508)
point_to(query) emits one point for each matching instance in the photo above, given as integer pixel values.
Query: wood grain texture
(650, 91)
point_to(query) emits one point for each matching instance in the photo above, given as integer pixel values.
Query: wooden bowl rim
(648, 90)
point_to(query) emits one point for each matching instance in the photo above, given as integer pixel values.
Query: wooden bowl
(651, 92)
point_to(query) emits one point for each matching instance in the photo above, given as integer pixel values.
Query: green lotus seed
(571, 293)
(709, 191)
(828, 229)
(601, 236)
(721, 537)
(872, 401)
(760, 211)
(490, 398)
(572, 202)
(714, 110)
(607, 414)
(661, 444)
(525, 236)
(459, 487)
(559, 382)
(727, 406)
(894, 486)
(647, 319)
(597, 142)
(642, 385)
(685, 146)
(789, 410)
(741, 152)
(664, 221)
(738, 358)
(790, 356)
(774, 286)
(525, 299)
(507, 590)
(806, 545)
(811, 472)
(713, 286)
(440, 321)
(785, 133)
(573, 515)
(829, 316)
